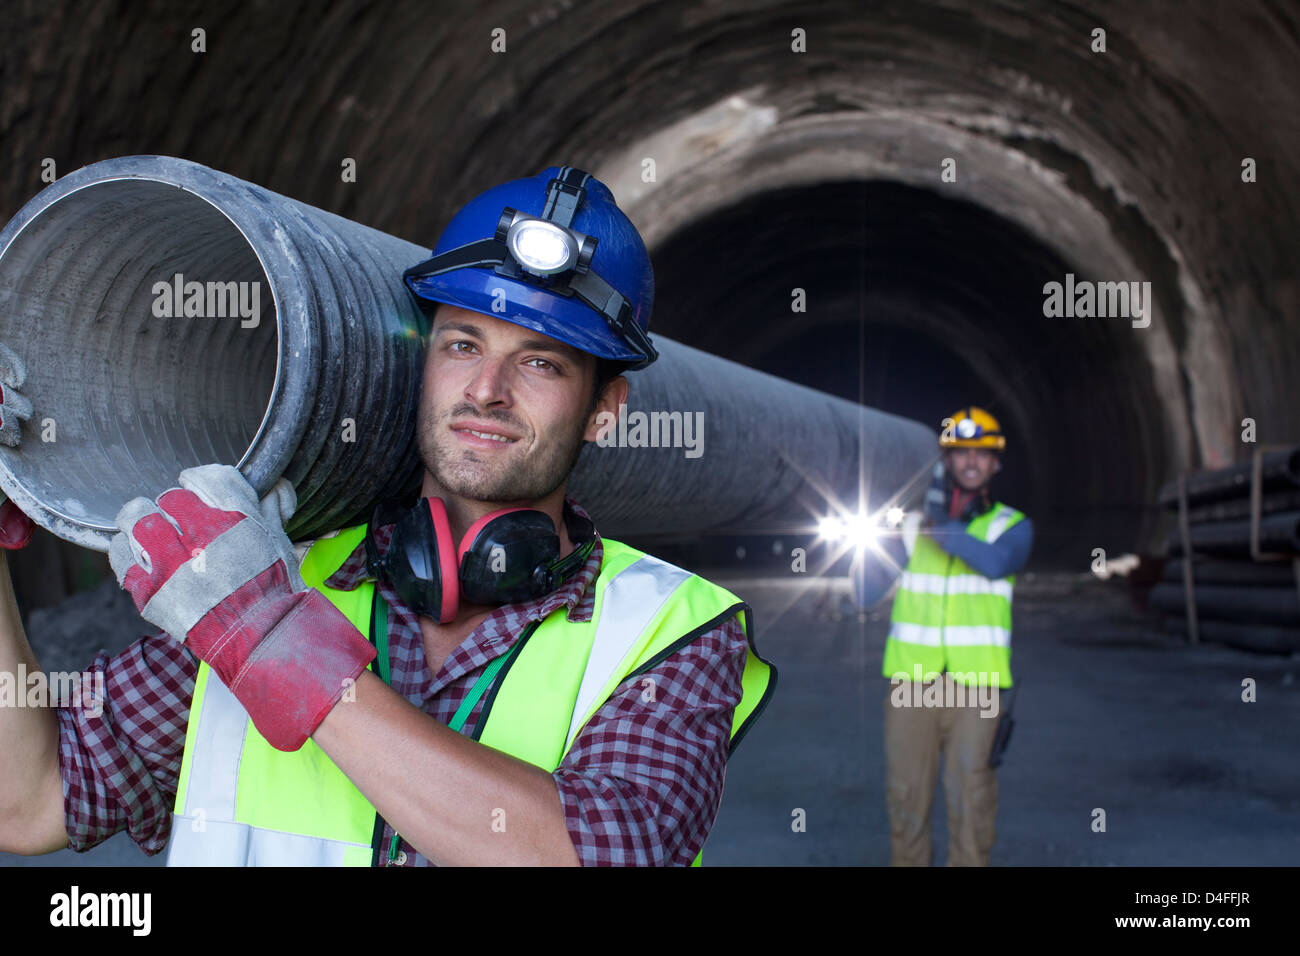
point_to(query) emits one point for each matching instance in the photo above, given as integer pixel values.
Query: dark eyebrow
(549, 345)
(527, 345)
(463, 327)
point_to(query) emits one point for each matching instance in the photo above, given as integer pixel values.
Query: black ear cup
(420, 562)
(505, 557)
(508, 558)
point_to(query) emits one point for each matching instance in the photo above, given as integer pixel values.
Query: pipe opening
(127, 393)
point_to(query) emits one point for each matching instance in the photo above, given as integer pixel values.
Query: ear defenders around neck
(505, 557)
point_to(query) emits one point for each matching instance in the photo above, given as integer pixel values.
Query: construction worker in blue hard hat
(556, 255)
(553, 253)
(948, 652)
(472, 677)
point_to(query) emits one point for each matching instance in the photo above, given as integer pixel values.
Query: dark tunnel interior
(753, 169)
(864, 197)
(918, 305)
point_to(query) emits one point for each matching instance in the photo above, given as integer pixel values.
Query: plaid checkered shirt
(640, 786)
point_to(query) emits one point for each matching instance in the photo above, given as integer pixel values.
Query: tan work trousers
(914, 738)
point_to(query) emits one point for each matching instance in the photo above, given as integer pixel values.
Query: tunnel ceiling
(1117, 166)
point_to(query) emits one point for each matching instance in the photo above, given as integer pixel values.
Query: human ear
(612, 398)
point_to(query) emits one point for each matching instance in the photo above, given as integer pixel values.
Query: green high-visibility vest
(241, 802)
(949, 617)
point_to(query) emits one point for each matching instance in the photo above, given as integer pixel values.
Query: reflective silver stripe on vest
(973, 635)
(999, 524)
(218, 747)
(206, 833)
(238, 844)
(955, 584)
(638, 592)
(976, 635)
(915, 633)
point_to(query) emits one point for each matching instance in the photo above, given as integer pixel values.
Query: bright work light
(541, 246)
(830, 528)
(860, 531)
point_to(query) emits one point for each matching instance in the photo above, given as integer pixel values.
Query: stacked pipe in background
(1242, 598)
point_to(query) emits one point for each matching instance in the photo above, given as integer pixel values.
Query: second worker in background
(948, 653)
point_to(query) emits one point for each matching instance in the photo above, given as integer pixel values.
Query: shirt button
(400, 859)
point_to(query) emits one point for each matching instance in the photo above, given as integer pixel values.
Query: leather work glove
(212, 566)
(15, 527)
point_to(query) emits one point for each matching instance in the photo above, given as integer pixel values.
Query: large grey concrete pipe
(321, 385)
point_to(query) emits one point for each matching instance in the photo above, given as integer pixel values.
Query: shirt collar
(576, 592)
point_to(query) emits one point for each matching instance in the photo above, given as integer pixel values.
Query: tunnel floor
(1114, 712)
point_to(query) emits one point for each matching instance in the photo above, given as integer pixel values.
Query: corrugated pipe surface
(170, 315)
(324, 332)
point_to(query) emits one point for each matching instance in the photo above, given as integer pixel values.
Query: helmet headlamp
(542, 247)
(971, 427)
(547, 252)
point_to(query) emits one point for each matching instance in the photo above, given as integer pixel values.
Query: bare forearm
(31, 790)
(455, 800)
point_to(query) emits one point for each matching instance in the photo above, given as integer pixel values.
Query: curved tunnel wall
(1116, 166)
(919, 305)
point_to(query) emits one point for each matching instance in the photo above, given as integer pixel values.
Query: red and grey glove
(212, 566)
(15, 527)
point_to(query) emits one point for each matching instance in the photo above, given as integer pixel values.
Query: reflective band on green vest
(211, 826)
(949, 617)
(241, 802)
(955, 584)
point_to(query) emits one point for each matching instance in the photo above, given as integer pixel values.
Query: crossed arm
(994, 560)
(871, 575)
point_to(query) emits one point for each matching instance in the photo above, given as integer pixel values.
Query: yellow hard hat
(971, 428)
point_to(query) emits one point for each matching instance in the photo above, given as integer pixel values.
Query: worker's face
(526, 394)
(971, 468)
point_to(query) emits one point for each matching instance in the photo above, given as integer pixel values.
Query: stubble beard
(462, 471)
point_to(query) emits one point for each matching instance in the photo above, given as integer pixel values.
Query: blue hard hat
(552, 253)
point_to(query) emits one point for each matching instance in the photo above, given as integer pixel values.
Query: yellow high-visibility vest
(241, 802)
(949, 617)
